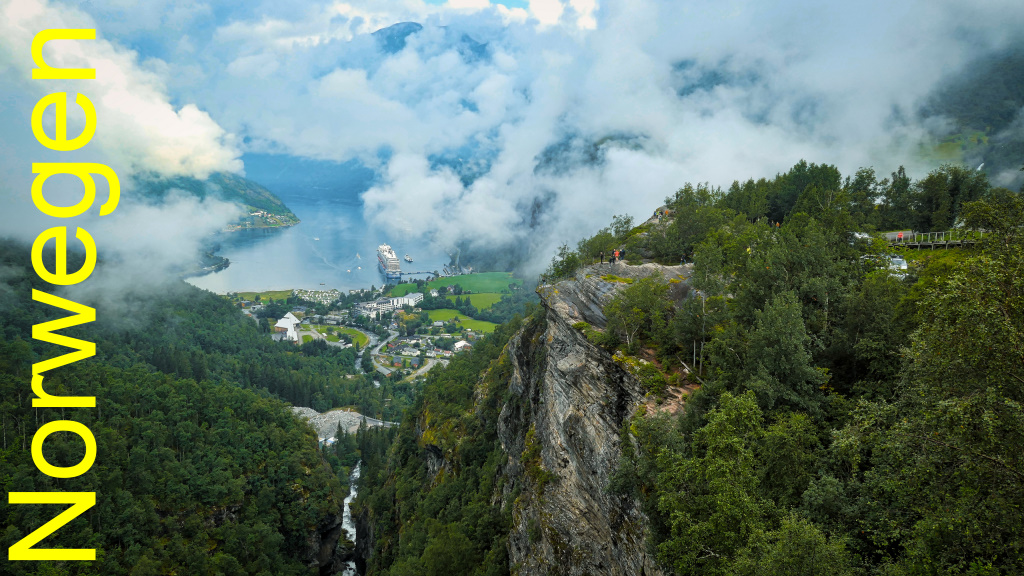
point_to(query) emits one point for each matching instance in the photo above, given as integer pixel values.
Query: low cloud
(140, 128)
(144, 247)
(495, 126)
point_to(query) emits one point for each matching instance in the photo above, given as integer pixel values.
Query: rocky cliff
(516, 443)
(327, 550)
(561, 433)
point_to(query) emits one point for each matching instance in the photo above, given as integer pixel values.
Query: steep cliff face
(326, 549)
(508, 455)
(323, 551)
(560, 430)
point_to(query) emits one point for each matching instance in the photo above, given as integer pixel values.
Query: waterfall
(346, 519)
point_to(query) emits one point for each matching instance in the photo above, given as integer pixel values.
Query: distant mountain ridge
(264, 209)
(985, 103)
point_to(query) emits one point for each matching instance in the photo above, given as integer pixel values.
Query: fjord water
(321, 251)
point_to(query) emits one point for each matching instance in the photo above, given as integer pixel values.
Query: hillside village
(407, 331)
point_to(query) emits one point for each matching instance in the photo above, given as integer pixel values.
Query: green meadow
(447, 314)
(479, 301)
(494, 282)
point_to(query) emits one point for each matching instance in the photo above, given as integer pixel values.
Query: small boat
(408, 258)
(316, 238)
(347, 270)
(358, 256)
(359, 267)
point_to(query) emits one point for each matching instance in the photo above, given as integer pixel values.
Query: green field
(478, 325)
(483, 282)
(357, 336)
(948, 257)
(446, 314)
(480, 301)
(266, 296)
(403, 289)
(494, 282)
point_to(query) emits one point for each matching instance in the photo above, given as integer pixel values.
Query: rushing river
(346, 520)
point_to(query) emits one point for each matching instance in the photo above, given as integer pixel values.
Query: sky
(527, 122)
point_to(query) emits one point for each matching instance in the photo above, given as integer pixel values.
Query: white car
(897, 263)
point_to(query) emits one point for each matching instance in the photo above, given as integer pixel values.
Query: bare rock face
(326, 424)
(324, 549)
(365, 530)
(582, 298)
(561, 433)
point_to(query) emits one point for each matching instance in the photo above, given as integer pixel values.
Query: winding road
(375, 347)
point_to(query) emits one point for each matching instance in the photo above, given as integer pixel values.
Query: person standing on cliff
(602, 256)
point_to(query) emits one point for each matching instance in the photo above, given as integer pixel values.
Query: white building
(411, 299)
(390, 304)
(287, 325)
(462, 345)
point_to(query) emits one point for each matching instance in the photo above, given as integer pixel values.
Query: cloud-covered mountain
(259, 207)
(984, 110)
(526, 126)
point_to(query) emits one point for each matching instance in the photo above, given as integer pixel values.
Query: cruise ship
(388, 262)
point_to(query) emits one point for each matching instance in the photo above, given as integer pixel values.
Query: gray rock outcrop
(326, 424)
(561, 433)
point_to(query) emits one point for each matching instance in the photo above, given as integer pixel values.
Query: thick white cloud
(139, 128)
(470, 5)
(547, 12)
(662, 92)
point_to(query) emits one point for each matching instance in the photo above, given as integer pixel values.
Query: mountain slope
(263, 208)
(506, 460)
(986, 105)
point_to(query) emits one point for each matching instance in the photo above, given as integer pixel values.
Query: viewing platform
(932, 240)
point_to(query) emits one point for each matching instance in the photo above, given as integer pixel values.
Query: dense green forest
(442, 520)
(201, 467)
(850, 419)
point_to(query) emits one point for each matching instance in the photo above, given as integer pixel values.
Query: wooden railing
(913, 239)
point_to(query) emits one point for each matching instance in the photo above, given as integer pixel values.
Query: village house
(286, 326)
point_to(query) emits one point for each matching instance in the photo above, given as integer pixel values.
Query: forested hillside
(427, 501)
(984, 104)
(810, 409)
(201, 467)
(272, 212)
(852, 419)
